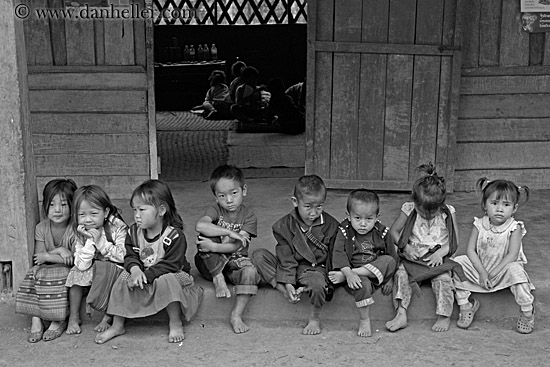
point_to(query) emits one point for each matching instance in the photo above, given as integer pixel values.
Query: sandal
(465, 318)
(36, 336)
(50, 335)
(526, 325)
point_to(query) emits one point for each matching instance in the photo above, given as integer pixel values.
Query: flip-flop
(525, 324)
(466, 317)
(36, 336)
(50, 335)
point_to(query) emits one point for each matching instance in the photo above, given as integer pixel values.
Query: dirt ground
(213, 343)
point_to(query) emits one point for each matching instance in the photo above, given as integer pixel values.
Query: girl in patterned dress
(495, 257)
(156, 275)
(100, 237)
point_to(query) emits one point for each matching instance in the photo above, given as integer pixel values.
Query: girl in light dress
(53, 257)
(494, 259)
(156, 275)
(100, 238)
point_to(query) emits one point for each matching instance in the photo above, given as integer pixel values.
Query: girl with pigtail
(426, 236)
(494, 259)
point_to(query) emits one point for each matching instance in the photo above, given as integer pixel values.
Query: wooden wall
(504, 113)
(91, 101)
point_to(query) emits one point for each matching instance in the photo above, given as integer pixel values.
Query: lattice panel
(229, 12)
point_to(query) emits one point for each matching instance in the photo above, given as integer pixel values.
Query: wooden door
(382, 90)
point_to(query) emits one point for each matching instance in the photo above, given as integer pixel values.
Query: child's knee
(249, 275)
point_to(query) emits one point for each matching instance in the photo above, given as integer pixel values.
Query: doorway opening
(267, 34)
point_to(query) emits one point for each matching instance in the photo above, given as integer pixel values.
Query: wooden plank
(449, 22)
(546, 57)
(80, 42)
(264, 157)
(154, 160)
(515, 84)
(343, 132)
(139, 36)
(371, 117)
(510, 70)
(443, 155)
(424, 112)
(470, 57)
(503, 155)
(86, 69)
(398, 115)
(119, 42)
(536, 48)
(99, 43)
(536, 179)
(347, 20)
(381, 48)
(493, 130)
(429, 25)
(369, 184)
(92, 164)
(118, 187)
(37, 36)
(311, 72)
(489, 32)
(90, 143)
(375, 21)
(402, 21)
(88, 81)
(87, 101)
(88, 123)
(324, 21)
(322, 113)
(57, 27)
(514, 45)
(504, 106)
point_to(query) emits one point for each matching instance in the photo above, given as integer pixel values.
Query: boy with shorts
(305, 238)
(225, 231)
(364, 256)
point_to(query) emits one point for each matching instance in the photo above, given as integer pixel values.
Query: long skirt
(171, 287)
(43, 293)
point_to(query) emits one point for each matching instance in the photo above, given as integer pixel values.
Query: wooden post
(19, 209)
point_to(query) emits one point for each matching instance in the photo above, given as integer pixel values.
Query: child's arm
(436, 258)
(61, 252)
(206, 228)
(513, 252)
(133, 264)
(476, 261)
(114, 251)
(84, 254)
(173, 260)
(395, 232)
(228, 246)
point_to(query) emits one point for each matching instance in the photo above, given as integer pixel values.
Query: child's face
(229, 194)
(363, 216)
(59, 211)
(499, 210)
(146, 215)
(91, 217)
(310, 207)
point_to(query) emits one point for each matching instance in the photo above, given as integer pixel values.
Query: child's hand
(40, 258)
(434, 259)
(387, 288)
(484, 280)
(245, 240)
(66, 255)
(292, 295)
(354, 282)
(205, 244)
(137, 278)
(408, 253)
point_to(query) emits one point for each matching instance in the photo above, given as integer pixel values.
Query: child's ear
(107, 212)
(347, 216)
(515, 209)
(162, 210)
(245, 188)
(294, 201)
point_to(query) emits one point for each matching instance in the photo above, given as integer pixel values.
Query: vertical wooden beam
(470, 44)
(151, 109)
(19, 209)
(514, 46)
(58, 37)
(489, 32)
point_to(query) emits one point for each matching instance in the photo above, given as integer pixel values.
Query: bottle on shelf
(192, 53)
(206, 52)
(214, 52)
(176, 51)
(200, 53)
(186, 53)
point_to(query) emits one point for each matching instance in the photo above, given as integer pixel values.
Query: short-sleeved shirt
(245, 220)
(43, 233)
(427, 234)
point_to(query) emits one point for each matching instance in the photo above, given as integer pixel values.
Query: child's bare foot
(364, 328)
(442, 324)
(312, 328)
(176, 333)
(239, 326)
(336, 277)
(73, 326)
(221, 287)
(104, 324)
(398, 322)
(109, 334)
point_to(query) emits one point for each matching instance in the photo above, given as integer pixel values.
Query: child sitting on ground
(305, 239)
(215, 105)
(225, 232)
(364, 255)
(250, 101)
(426, 234)
(495, 257)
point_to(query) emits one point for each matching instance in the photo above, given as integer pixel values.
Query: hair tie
(484, 185)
